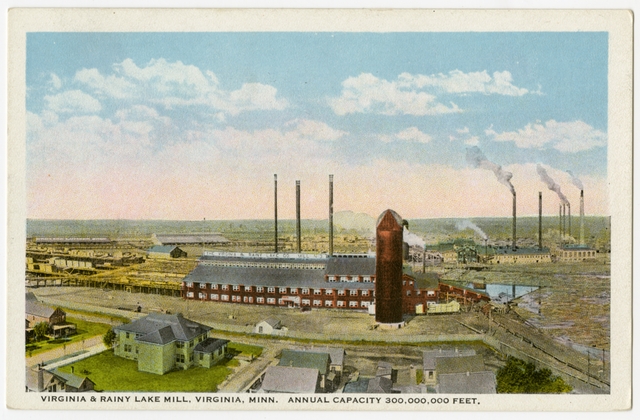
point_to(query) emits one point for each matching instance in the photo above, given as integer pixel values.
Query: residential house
(163, 342)
(36, 312)
(43, 380)
(307, 359)
(268, 326)
(290, 379)
(429, 361)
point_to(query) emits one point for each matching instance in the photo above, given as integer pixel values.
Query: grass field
(112, 373)
(84, 330)
(244, 349)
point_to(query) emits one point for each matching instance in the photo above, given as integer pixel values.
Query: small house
(268, 326)
(166, 251)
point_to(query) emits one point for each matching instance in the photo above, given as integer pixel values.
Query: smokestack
(539, 219)
(569, 211)
(564, 220)
(298, 216)
(331, 215)
(581, 217)
(275, 205)
(560, 223)
(513, 246)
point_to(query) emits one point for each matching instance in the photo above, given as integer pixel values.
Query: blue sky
(126, 115)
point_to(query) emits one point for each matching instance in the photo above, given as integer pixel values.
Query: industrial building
(189, 239)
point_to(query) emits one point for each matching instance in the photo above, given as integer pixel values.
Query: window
(271, 301)
(332, 278)
(317, 291)
(271, 289)
(235, 298)
(214, 296)
(236, 287)
(127, 335)
(364, 304)
(282, 289)
(179, 358)
(259, 289)
(306, 302)
(341, 292)
(294, 291)
(280, 301)
(353, 293)
(225, 297)
(344, 278)
(353, 304)
(225, 287)
(408, 292)
(365, 293)
(191, 343)
(179, 344)
(202, 295)
(201, 356)
(127, 348)
(189, 284)
(328, 303)
(328, 292)
(247, 288)
(214, 286)
(317, 303)
(305, 291)
(203, 285)
(260, 300)
(191, 357)
(341, 303)
(366, 279)
(431, 292)
(189, 294)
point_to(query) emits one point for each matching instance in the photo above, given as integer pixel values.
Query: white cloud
(459, 82)
(177, 84)
(55, 82)
(369, 94)
(411, 134)
(72, 101)
(463, 130)
(315, 129)
(569, 137)
(472, 141)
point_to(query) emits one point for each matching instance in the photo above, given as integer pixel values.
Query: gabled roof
(210, 345)
(305, 359)
(357, 387)
(429, 356)
(462, 364)
(162, 249)
(164, 328)
(463, 383)
(273, 323)
(30, 297)
(336, 354)
(379, 385)
(71, 378)
(38, 309)
(295, 380)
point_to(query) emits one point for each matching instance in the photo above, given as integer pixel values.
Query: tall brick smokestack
(330, 214)
(569, 217)
(298, 217)
(560, 223)
(388, 287)
(275, 208)
(564, 220)
(539, 219)
(513, 245)
(581, 217)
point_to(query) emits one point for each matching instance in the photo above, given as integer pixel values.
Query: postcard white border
(617, 23)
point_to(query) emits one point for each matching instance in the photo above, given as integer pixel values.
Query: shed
(267, 326)
(166, 251)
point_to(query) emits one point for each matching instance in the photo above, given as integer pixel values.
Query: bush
(520, 377)
(109, 338)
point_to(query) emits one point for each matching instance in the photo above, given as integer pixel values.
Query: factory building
(576, 253)
(508, 255)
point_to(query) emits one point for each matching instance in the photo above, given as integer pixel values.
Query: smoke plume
(468, 224)
(476, 158)
(412, 239)
(576, 181)
(551, 184)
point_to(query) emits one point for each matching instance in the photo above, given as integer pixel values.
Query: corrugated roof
(305, 359)
(153, 328)
(295, 380)
(461, 383)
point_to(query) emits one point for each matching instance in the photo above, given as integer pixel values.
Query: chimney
(275, 207)
(539, 219)
(569, 211)
(560, 223)
(513, 246)
(298, 216)
(581, 217)
(330, 215)
(564, 220)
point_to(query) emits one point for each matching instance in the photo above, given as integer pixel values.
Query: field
(84, 330)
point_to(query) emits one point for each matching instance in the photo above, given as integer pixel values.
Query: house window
(282, 290)
(247, 288)
(305, 291)
(191, 357)
(225, 287)
(271, 301)
(317, 291)
(214, 296)
(127, 335)
(127, 348)
(260, 300)
(271, 289)
(214, 286)
(353, 293)
(280, 301)
(431, 292)
(328, 303)
(294, 291)
(203, 285)
(236, 287)
(341, 303)
(317, 303)
(365, 293)
(202, 295)
(306, 302)
(179, 358)
(328, 292)
(201, 356)
(341, 292)
(364, 304)
(344, 278)
(235, 298)
(179, 344)
(189, 284)
(332, 278)
(189, 294)
(225, 297)
(259, 289)
(191, 343)
(353, 304)
(366, 279)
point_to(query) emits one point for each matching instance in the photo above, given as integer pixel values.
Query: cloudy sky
(194, 125)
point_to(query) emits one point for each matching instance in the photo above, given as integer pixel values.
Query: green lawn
(112, 373)
(84, 330)
(244, 349)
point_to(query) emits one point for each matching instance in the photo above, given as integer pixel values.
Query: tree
(109, 338)
(40, 330)
(520, 377)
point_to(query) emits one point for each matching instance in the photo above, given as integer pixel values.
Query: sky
(188, 126)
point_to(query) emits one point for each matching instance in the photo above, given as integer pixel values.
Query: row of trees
(520, 377)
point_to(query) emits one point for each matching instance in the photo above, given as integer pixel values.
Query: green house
(161, 343)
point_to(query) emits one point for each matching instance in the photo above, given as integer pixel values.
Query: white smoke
(551, 184)
(412, 239)
(476, 158)
(468, 224)
(576, 181)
